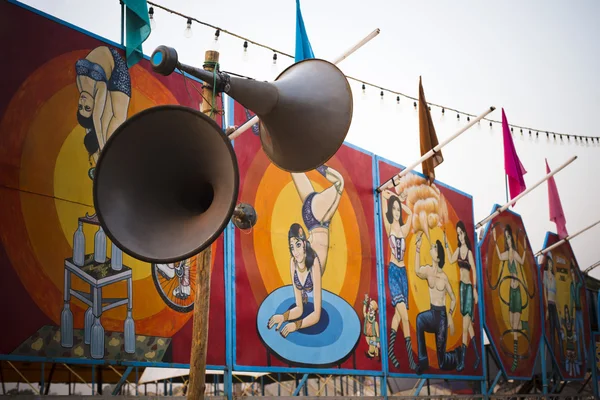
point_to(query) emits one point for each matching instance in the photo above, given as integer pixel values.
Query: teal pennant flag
(303, 47)
(137, 29)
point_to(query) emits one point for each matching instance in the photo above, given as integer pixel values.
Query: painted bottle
(116, 258)
(129, 333)
(100, 246)
(79, 246)
(66, 326)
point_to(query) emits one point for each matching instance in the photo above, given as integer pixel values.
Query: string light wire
(364, 83)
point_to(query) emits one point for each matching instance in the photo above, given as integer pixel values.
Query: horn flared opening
(166, 184)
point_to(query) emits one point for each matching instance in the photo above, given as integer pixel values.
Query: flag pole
(510, 203)
(248, 124)
(555, 245)
(356, 46)
(591, 267)
(430, 153)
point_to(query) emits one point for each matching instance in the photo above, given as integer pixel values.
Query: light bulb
(152, 21)
(274, 68)
(215, 44)
(245, 55)
(188, 31)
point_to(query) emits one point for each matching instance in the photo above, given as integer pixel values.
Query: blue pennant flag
(137, 29)
(303, 47)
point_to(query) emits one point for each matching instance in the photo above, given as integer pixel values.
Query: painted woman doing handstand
(104, 93)
(308, 252)
(397, 232)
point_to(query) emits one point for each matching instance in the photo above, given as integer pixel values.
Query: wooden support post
(197, 384)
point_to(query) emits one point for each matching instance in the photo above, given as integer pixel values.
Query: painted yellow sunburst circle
(71, 181)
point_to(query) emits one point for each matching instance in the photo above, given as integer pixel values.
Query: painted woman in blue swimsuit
(305, 270)
(318, 208)
(104, 93)
(397, 231)
(309, 251)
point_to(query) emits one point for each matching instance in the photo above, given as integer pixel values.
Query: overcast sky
(537, 59)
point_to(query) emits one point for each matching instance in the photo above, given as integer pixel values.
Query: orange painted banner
(511, 294)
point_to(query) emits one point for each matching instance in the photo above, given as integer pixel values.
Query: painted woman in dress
(468, 288)
(515, 303)
(104, 93)
(310, 251)
(397, 232)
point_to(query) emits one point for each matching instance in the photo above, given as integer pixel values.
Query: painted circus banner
(432, 295)
(567, 329)
(511, 294)
(305, 276)
(67, 291)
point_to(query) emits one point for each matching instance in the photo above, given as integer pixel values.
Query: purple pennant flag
(512, 165)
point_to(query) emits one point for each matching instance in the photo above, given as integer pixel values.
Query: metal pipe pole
(591, 267)
(254, 120)
(430, 153)
(356, 46)
(521, 195)
(555, 245)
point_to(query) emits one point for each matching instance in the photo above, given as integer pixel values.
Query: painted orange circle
(272, 192)
(45, 146)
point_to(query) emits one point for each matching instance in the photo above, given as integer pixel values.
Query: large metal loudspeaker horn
(304, 114)
(166, 182)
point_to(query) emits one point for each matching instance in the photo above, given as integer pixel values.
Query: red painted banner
(568, 331)
(66, 291)
(432, 296)
(305, 275)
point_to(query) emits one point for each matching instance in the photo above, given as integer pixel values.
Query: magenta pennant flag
(512, 165)
(556, 211)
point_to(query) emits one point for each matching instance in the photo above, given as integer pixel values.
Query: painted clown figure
(371, 327)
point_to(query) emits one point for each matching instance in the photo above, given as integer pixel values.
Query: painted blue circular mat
(326, 343)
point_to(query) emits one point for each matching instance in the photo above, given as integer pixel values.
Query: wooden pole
(197, 384)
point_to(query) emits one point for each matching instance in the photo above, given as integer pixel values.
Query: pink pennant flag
(556, 211)
(512, 165)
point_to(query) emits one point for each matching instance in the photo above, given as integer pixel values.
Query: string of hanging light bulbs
(533, 133)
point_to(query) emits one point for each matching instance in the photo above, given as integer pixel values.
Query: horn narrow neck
(260, 97)
(221, 80)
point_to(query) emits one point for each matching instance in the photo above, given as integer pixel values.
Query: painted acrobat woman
(104, 93)
(397, 231)
(309, 253)
(515, 301)
(467, 289)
